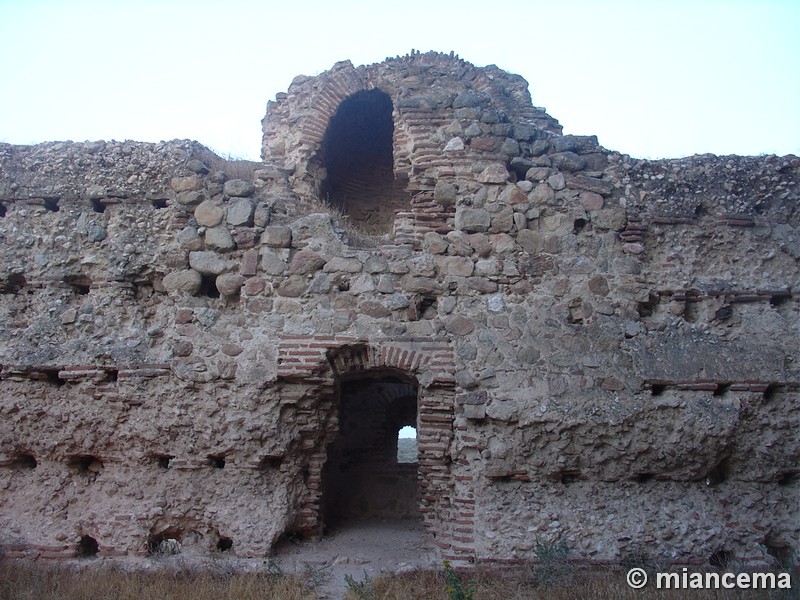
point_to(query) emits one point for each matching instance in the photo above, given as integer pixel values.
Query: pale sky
(651, 78)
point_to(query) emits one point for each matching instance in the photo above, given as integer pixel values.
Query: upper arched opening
(357, 154)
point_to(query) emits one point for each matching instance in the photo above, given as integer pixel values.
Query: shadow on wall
(363, 478)
(357, 154)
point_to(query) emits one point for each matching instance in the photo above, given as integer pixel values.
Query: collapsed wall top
(327, 129)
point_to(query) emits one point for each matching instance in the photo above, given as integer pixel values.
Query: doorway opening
(357, 154)
(363, 479)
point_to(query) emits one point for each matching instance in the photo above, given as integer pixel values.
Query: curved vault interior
(357, 154)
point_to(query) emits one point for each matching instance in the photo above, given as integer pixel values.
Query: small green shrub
(456, 589)
(553, 563)
(363, 590)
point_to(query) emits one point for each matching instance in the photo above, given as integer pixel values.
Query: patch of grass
(362, 590)
(516, 584)
(27, 582)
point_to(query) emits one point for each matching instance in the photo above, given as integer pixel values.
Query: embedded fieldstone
(591, 200)
(208, 214)
(189, 239)
(458, 325)
(272, 263)
(599, 285)
(513, 194)
(609, 218)
(219, 238)
(460, 266)
(530, 241)
(454, 145)
(231, 349)
(277, 236)
(528, 355)
(190, 198)
(445, 193)
(471, 99)
(262, 215)
(496, 173)
(293, 286)
(182, 348)
(238, 188)
(240, 212)
(186, 184)
(537, 174)
(502, 220)
(187, 281)
(509, 147)
(633, 248)
(229, 284)
(434, 243)
(472, 220)
(557, 181)
(345, 265)
(306, 261)
(96, 233)
(542, 194)
(208, 263)
(568, 161)
(376, 264)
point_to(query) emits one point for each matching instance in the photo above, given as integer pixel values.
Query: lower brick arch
(314, 370)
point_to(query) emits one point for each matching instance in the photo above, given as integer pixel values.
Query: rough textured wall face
(593, 348)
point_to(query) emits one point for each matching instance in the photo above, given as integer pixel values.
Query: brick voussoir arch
(324, 357)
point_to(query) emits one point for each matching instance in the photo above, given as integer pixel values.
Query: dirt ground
(357, 549)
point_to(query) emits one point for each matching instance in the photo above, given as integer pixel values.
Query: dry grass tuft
(519, 584)
(24, 582)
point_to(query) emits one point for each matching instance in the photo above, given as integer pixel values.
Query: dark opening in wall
(644, 477)
(216, 461)
(656, 389)
(224, 544)
(165, 543)
(646, 308)
(24, 462)
(363, 478)
(51, 376)
(51, 204)
(80, 284)
(2, 210)
(270, 463)
(771, 390)
(86, 464)
(87, 547)
(427, 308)
(164, 461)
(788, 477)
(159, 203)
(578, 225)
(208, 287)
(722, 389)
(718, 474)
(13, 283)
(357, 154)
(568, 477)
(98, 205)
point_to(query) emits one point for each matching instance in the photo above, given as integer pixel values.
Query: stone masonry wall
(604, 349)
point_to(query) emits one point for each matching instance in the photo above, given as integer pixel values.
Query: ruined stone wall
(604, 349)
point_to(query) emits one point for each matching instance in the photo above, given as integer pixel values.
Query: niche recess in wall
(357, 155)
(363, 478)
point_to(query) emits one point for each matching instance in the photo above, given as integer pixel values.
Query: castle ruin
(592, 348)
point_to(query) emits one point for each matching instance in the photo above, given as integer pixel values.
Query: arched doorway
(363, 479)
(357, 153)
